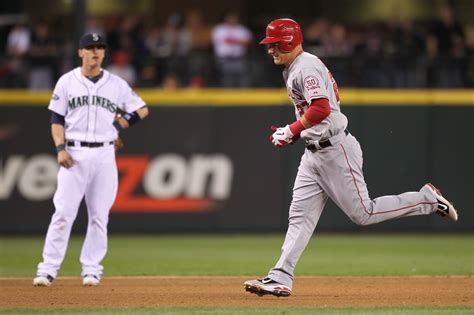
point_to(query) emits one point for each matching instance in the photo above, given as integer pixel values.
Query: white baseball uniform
(331, 166)
(89, 109)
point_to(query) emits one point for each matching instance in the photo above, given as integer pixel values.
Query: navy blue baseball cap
(92, 39)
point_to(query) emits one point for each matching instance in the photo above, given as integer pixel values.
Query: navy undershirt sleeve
(56, 118)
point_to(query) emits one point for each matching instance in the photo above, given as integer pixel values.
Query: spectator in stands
(196, 83)
(43, 58)
(469, 68)
(376, 70)
(470, 40)
(176, 39)
(200, 32)
(171, 40)
(111, 27)
(18, 41)
(337, 44)
(18, 44)
(446, 47)
(94, 25)
(201, 44)
(153, 41)
(446, 35)
(121, 66)
(129, 34)
(170, 47)
(408, 49)
(171, 82)
(337, 47)
(176, 44)
(230, 40)
(148, 76)
(315, 34)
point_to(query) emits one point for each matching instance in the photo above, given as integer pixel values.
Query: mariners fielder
(331, 165)
(84, 128)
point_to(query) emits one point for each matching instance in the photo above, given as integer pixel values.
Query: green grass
(255, 254)
(252, 311)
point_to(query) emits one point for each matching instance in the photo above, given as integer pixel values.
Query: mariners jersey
(89, 108)
(307, 79)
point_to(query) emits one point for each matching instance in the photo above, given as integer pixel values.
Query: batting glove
(281, 136)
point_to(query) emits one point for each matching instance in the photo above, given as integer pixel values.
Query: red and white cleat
(267, 286)
(445, 208)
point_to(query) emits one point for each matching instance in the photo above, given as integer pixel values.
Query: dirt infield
(121, 292)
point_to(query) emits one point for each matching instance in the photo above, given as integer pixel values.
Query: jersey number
(334, 86)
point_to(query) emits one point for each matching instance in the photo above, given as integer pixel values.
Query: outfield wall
(202, 161)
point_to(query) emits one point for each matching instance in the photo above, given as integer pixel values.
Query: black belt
(87, 144)
(322, 144)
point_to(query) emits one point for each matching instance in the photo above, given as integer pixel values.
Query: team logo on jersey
(311, 83)
(96, 100)
(55, 97)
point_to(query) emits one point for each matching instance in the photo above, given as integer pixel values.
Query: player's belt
(71, 143)
(322, 144)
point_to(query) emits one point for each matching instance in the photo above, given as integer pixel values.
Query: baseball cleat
(43, 280)
(90, 281)
(445, 208)
(267, 286)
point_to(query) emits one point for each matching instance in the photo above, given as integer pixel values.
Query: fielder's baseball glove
(118, 144)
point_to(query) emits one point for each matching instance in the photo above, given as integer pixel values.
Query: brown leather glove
(118, 143)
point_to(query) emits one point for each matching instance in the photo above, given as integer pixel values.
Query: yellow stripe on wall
(408, 97)
(266, 97)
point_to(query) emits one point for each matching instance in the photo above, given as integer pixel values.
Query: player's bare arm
(129, 119)
(64, 158)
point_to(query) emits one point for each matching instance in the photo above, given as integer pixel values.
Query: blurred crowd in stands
(183, 51)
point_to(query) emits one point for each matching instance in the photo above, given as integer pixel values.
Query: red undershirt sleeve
(316, 113)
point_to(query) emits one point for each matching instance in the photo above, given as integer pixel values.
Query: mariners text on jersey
(79, 101)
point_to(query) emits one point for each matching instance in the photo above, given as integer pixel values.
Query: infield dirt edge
(228, 291)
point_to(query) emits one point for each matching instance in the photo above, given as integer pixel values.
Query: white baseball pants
(93, 175)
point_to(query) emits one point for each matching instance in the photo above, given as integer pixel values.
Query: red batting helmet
(286, 32)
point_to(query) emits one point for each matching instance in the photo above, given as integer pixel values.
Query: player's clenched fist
(118, 143)
(281, 136)
(65, 159)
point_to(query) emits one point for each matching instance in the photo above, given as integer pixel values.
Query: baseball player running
(84, 128)
(331, 165)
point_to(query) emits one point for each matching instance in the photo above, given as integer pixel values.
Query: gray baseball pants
(336, 172)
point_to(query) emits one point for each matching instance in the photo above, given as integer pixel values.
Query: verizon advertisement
(181, 170)
(170, 182)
